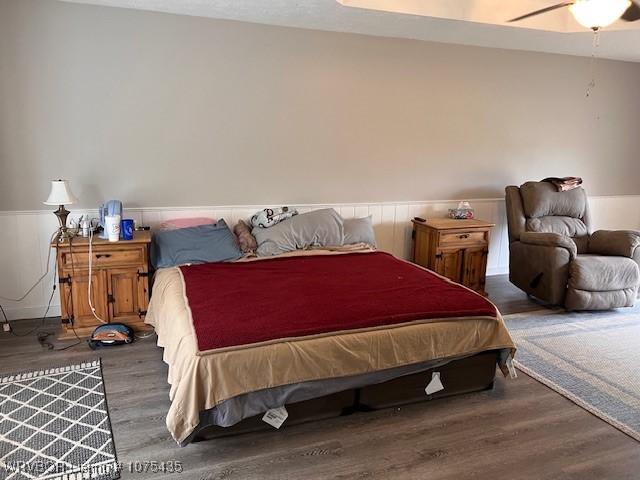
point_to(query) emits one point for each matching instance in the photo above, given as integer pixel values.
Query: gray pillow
(202, 244)
(541, 199)
(359, 230)
(320, 228)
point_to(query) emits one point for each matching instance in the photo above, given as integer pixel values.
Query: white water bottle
(112, 225)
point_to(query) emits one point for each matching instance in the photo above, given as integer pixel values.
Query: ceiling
(467, 22)
(493, 12)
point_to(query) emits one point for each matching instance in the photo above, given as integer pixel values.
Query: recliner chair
(554, 256)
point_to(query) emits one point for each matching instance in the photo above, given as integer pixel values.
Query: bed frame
(470, 374)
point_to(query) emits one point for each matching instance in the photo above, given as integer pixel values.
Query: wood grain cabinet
(456, 249)
(119, 283)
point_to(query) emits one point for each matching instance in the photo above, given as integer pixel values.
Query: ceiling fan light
(598, 13)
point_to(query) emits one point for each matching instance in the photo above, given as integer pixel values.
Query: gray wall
(162, 110)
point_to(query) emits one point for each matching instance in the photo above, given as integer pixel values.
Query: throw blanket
(234, 304)
(564, 183)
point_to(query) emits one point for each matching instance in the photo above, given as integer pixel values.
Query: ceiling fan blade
(543, 10)
(632, 13)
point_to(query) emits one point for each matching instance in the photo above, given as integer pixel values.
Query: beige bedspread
(202, 381)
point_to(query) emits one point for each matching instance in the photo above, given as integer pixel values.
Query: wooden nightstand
(119, 285)
(456, 249)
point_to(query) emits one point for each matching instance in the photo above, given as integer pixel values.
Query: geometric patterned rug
(592, 358)
(54, 424)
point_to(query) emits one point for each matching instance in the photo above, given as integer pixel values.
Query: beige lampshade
(60, 194)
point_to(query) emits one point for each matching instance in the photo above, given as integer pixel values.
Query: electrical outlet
(6, 327)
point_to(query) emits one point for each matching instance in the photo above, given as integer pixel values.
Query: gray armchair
(554, 256)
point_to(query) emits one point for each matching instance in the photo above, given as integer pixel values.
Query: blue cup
(127, 229)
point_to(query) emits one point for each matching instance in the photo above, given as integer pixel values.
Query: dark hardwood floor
(519, 430)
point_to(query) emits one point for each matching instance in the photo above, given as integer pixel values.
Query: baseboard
(27, 313)
(501, 270)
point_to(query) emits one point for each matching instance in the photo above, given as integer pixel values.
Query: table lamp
(61, 195)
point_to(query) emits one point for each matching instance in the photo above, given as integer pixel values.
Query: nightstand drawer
(462, 238)
(102, 258)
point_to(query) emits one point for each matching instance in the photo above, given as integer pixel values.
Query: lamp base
(64, 236)
(64, 233)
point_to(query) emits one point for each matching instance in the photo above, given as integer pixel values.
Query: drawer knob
(103, 255)
(463, 235)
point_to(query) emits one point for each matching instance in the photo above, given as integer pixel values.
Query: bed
(323, 332)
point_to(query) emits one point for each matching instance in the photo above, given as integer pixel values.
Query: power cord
(19, 299)
(42, 336)
(43, 342)
(146, 335)
(9, 299)
(93, 309)
(90, 281)
(42, 320)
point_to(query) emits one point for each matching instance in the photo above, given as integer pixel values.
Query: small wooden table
(119, 282)
(456, 249)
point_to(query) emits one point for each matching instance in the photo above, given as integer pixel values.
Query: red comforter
(242, 303)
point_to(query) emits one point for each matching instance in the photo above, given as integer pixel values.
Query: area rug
(54, 424)
(592, 358)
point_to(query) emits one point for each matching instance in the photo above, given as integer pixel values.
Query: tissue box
(461, 213)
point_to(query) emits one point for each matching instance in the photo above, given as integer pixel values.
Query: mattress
(204, 378)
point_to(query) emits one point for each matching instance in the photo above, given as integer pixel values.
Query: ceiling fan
(594, 14)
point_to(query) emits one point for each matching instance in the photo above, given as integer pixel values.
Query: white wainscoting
(24, 236)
